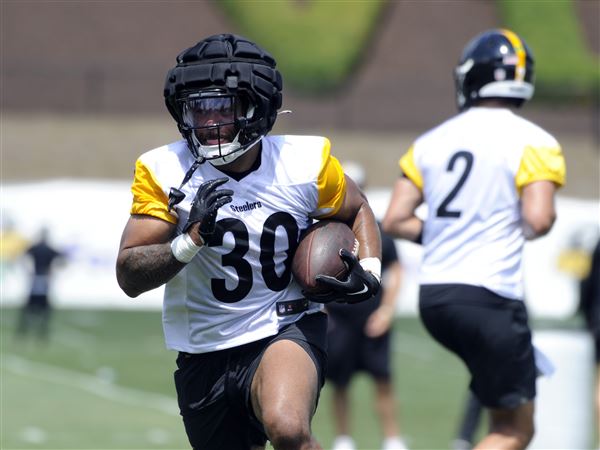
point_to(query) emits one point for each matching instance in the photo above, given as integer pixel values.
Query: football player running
(216, 217)
(488, 178)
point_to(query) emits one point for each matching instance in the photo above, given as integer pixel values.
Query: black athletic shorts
(38, 302)
(490, 333)
(213, 389)
(349, 351)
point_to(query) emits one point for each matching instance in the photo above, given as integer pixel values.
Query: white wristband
(184, 248)
(372, 265)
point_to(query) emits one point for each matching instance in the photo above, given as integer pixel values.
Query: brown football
(318, 253)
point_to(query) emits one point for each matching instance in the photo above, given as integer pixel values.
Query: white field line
(90, 384)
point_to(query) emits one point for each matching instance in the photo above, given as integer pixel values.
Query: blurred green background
(319, 44)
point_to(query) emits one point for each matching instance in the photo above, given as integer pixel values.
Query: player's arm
(148, 257)
(537, 208)
(381, 319)
(541, 172)
(357, 213)
(145, 260)
(400, 220)
(342, 200)
(364, 275)
(393, 278)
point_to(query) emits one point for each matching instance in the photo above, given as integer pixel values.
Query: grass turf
(104, 381)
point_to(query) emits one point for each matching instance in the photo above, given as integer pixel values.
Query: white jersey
(471, 170)
(228, 294)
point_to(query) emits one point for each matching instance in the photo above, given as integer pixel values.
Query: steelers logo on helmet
(224, 94)
(495, 64)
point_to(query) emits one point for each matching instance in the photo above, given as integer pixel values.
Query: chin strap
(223, 160)
(176, 196)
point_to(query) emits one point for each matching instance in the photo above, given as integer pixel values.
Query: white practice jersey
(227, 295)
(471, 170)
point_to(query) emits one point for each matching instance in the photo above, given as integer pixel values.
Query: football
(318, 253)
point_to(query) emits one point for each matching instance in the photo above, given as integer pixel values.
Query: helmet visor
(212, 117)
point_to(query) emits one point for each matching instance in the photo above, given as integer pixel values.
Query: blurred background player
(13, 242)
(488, 178)
(215, 217)
(359, 339)
(590, 307)
(35, 313)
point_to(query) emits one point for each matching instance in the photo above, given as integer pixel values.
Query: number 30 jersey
(230, 293)
(471, 170)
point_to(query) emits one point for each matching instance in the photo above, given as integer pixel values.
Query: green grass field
(104, 381)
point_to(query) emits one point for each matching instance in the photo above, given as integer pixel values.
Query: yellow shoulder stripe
(541, 163)
(409, 168)
(519, 51)
(331, 183)
(148, 196)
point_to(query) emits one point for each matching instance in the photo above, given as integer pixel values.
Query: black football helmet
(229, 75)
(495, 64)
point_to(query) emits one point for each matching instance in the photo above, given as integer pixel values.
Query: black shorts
(349, 351)
(490, 333)
(213, 389)
(38, 302)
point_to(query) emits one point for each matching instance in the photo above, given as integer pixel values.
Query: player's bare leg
(386, 408)
(284, 396)
(341, 407)
(341, 411)
(510, 429)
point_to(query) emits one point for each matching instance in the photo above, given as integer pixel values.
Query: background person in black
(358, 339)
(35, 314)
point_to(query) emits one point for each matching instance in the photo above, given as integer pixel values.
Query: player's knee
(526, 433)
(520, 431)
(287, 431)
(523, 435)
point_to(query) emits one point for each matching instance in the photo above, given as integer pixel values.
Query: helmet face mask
(496, 64)
(232, 79)
(214, 121)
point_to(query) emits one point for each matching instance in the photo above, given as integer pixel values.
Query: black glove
(205, 205)
(359, 286)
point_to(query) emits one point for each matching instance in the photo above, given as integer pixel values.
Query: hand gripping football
(318, 253)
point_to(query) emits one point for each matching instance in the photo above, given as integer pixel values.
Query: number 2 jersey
(229, 294)
(471, 170)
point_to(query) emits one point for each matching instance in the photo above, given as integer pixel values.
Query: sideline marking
(91, 384)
